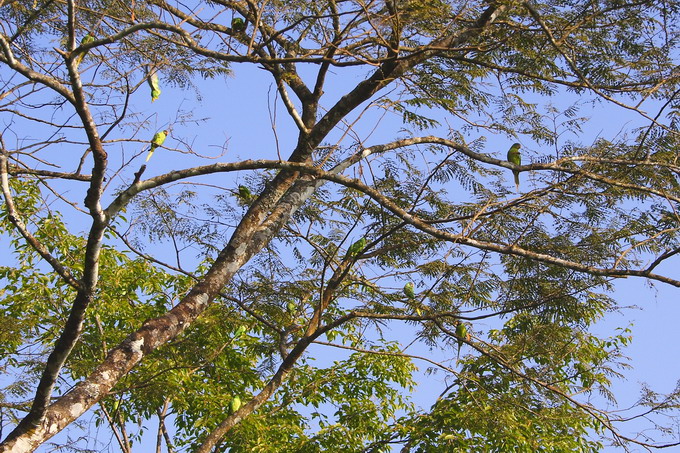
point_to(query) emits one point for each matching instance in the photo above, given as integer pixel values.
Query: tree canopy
(293, 300)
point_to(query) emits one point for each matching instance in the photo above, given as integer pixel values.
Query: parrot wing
(356, 248)
(159, 138)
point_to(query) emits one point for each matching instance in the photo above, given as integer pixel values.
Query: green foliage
(353, 403)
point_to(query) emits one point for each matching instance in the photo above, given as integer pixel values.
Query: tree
(178, 297)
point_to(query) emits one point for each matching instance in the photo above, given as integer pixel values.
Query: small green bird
(515, 158)
(240, 331)
(409, 290)
(156, 141)
(244, 194)
(291, 307)
(87, 39)
(244, 197)
(234, 404)
(461, 334)
(355, 248)
(152, 80)
(238, 25)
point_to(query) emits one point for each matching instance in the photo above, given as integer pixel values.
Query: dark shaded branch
(14, 169)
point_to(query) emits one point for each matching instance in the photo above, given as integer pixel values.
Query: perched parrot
(461, 334)
(234, 404)
(156, 141)
(152, 80)
(515, 158)
(244, 193)
(238, 25)
(245, 196)
(240, 331)
(355, 248)
(409, 291)
(291, 307)
(87, 39)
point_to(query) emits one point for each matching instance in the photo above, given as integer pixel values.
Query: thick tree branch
(87, 284)
(421, 224)
(14, 169)
(8, 58)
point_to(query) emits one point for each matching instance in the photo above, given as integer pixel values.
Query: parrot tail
(516, 173)
(79, 58)
(148, 156)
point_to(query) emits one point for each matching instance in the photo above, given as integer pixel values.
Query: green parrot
(461, 334)
(240, 331)
(244, 192)
(156, 141)
(291, 307)
(245, 196)
(87, 39)
(409, 290)
(515, 158)
(355, 248)
(234, 404)
(238, 25)
(152, 80)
